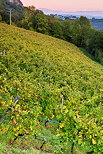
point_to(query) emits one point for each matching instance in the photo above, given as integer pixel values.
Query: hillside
(54, 80)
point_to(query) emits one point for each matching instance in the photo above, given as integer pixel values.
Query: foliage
(85, 30)
(55, 28)
(17, 11)
(78, 32)
(43, 70)
(34, 20)
(95, 45)
(0, 18)
(67, 30)
(40, 23)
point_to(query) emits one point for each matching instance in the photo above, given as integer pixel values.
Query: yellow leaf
(101, 131)
(61, 125)
(80, 141)
(64, 107)
(90, 136)
(57, 134)
(93, 141)
(66, 110)
(16, 134)
(52, 115)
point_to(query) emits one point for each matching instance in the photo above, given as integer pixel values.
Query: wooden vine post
(8, 111)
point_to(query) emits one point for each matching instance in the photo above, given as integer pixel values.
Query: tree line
(78, 31)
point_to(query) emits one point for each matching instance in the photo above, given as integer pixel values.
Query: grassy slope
(49, 50)
(47, 64)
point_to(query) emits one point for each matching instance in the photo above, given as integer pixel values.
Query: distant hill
(88, 14)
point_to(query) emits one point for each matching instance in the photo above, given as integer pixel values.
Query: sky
(66, 5)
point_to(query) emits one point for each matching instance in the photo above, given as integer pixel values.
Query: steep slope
(43, 70)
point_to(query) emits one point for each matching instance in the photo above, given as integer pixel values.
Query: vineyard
(59, 92)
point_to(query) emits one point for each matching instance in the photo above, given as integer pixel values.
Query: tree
(67, 30)
(95, 45)
(76, 36)
(80, 31)
(29, 12)
(1, 7)
(26, 21)
(3, 15)
(0, 18)
(85, 30)
(40, 23)
(55, 27)
(17, 11)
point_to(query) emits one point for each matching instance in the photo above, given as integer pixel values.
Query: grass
(4, 149)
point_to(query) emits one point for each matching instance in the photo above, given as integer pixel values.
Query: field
(57, 84)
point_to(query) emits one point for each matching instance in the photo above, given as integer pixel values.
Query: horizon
(67, 5)
(68, 11)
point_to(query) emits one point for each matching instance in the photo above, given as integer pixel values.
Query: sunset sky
(67, 5)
